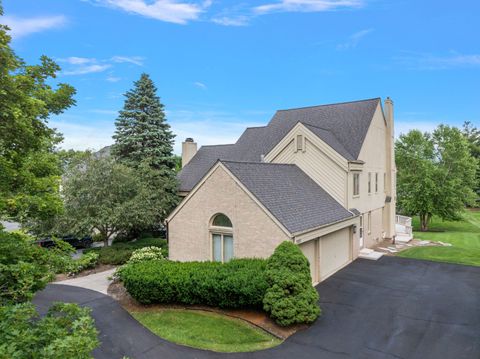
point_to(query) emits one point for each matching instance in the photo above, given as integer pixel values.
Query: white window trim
(353, 180)
(369, 183)
(376, 182)
(221, 231)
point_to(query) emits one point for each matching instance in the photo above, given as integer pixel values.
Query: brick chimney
(189, 149)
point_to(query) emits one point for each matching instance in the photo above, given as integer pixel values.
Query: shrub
(67, 331)
(86, 261)
(24, 268)
(146, 254)
(290, 298)
(238, 283)
(120, 252)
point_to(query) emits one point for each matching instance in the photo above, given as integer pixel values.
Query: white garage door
(335, 252)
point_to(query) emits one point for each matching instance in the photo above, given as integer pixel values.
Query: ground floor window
(222, 247)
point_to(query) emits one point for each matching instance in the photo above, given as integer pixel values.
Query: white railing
(405, 222)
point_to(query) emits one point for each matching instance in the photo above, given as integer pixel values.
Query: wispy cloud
(241, 20)
(88, 65)
(136, 60)
(433, 62)
(21, 27)
(200, 85)
(165, 10)
(87, 69)
(111, 78)
(307, 6)
(354, 39)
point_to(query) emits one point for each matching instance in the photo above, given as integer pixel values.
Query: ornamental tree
(436, 174)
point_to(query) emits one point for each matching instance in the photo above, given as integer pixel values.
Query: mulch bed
(255, 317)
(99, 268)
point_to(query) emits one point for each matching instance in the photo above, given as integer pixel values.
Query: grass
(206, 330)
(463, 235)
(119, 253)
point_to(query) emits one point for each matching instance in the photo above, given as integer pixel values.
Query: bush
(290, 298)
(146, 254)
(120, 252)
(67, 331)
(238, 283)
(86, 261)
(24, 268)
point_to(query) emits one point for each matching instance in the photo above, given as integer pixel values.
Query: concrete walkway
(98, 282)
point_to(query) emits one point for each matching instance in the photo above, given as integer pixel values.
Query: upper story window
(369, 182)
(299, 143)
(222, 238)
(376, 182)
(356, 184)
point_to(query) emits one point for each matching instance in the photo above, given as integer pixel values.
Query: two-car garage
(329, 253)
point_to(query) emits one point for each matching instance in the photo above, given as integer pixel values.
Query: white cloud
(402, 127)
(200, 85)
(82, 137)
(164, 10)
(113, 78)
(307, 6)
(25, 26)
(433, 62)
(87, 69)
(78, 60)
(231, 21)
(354, 39)
(136, 60)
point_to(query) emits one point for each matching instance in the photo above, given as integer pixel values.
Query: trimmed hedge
(120, 252)
(290, 298)
(239, 283)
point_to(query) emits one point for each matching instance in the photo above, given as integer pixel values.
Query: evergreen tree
(142, 133)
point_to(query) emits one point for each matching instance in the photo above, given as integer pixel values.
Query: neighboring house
(322, 177)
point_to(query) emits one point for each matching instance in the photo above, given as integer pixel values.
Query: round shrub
(290, 298)
(146, 254)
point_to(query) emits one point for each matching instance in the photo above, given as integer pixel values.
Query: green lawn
(463, 235)
(206, 330)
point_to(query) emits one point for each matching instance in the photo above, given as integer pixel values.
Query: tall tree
(436, 174)
(142, 132)
(29, 169)
(472, 134)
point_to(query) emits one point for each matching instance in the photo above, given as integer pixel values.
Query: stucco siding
(255, 233)
(308, 250)
(375, 235)
(316, 164)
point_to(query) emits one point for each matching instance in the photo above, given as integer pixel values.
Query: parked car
(75, 242)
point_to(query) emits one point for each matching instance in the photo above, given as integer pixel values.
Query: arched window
(221, 231)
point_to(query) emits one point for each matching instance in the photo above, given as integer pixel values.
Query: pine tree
(142, 133)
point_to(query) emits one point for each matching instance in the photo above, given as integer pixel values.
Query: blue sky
(221, 66)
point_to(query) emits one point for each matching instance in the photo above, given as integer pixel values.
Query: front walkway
(98, 282)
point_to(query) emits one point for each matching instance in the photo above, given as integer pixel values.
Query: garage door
(335, 252)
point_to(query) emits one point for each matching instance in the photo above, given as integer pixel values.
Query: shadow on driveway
(391, 308)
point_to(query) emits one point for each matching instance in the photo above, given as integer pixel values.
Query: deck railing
(405, 222)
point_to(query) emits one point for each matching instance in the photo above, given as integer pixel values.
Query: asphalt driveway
(391, 308)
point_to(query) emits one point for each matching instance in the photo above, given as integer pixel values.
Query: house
(322, 177)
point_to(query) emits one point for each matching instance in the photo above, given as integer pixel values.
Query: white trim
(299, 128)
(310, 234)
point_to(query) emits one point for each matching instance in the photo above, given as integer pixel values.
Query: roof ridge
(332, 133)
(225, 144)
(331, 104)
(259, 163)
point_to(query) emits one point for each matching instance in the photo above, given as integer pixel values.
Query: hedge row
(239, 283)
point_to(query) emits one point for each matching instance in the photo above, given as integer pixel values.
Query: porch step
(403, 238)
(367, 253)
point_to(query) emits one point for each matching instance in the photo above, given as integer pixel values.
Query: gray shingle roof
(290, 195)
(342, 126)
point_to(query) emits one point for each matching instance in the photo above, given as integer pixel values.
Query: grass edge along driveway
(205, 330)
(464, 236)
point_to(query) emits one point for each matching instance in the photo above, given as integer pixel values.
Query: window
(299, 143)
(369, 182)
(356, 184)
(376, 182)
(369, 222)
(222, 238)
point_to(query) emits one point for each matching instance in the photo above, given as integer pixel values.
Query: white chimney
(189, 149)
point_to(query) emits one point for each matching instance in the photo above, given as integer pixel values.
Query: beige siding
(255, 234)
(310, 251)
(320, 167)
(376, 232)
